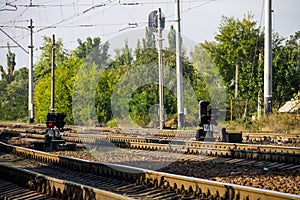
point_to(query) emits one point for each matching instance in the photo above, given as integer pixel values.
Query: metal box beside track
(233, 137)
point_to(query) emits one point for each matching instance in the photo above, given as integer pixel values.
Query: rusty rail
(55, 187)
(283, 154)
(271, 153)
(257, 136)
(195, 187)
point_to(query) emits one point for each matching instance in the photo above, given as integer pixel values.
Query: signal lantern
(213, 115)
(50, 124)
(51, 119)
(203, 108)
(60, 123)
(203, 114)
(212, 118)
(205, 119)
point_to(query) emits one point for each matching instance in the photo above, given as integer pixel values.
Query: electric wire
(257, 38)
(121, 4)
(14, 41)
(68, 18)
(111, 3)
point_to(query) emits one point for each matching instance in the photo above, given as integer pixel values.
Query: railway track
(9, 190)
(243, 151)
(267, 153)
(264, 138)
(129, 182)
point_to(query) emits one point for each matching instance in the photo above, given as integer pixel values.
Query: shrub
(112, 123)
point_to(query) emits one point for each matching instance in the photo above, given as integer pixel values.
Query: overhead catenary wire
(8, 7)
(18, 15)
(111, 3)
(72, 20)
(45, 5)
(14, 41)
(257, 38)
(102, 5)
(67, 19)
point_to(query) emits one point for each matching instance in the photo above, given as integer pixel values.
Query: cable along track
(137, 183)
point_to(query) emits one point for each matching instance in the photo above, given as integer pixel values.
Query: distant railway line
(146, 140)
(267, 138)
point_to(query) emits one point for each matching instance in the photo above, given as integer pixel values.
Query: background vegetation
(209, 68)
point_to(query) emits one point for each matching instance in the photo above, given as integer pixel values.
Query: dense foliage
(90, 83)
(239, 44)
(13, 91)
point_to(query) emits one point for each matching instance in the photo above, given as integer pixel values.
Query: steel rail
(55, 187)
(196, 187)
(262, 137)
(271, 153)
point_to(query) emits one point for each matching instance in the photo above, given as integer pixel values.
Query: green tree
(3, 97)
(124, 56)
(42, 98)
(93, 51)
(238, 43)
(172, 39)
(43, 66)
(13, 90)
(138, 50)
(105, 87)
(209, 85)
(286, 65)
(149, 40)
(84, 97)
(15, 97)
(17, 94)
(11, 63)
(65, 75)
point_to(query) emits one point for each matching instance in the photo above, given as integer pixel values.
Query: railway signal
(52, 136)
(154, 20)
(207, 121)
(51, 119)
(203, 114)
(157, 24)
(213, 113)
(60, 121)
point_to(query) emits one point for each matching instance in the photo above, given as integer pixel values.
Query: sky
(118, 20)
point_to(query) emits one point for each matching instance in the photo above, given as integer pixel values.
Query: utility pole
(161, 72)
(180, 108)
(30, 84)
(259, 101)
(236, 89)
(268, 59)
(53, 75)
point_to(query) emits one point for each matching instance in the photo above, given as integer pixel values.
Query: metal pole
(259, 100)
(30, 83)
(236, 80)
(268, 59)
(180, 108)
(230, 110)
(53, 75)
(161, 73)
